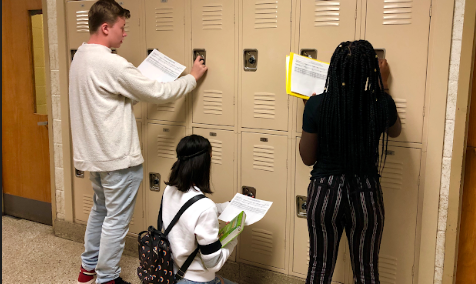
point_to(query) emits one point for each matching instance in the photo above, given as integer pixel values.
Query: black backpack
(155, 254)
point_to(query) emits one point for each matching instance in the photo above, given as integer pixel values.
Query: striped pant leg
(325, 227)
(365, 227)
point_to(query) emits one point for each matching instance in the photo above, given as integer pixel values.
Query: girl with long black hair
(341, 134)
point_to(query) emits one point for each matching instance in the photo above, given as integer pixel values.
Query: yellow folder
(289, 62)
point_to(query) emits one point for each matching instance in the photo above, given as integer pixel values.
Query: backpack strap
(186, 264)
(179, 213)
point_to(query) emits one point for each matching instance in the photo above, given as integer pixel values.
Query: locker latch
(200, 52)
(154, 179)
(249, 191)
(78, 173)
(380, 53)
(301, 206)
(311, 53)
(250, 60)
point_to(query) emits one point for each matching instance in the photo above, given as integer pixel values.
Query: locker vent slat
(397, 12)
(170, 107)
(262, 242)
(82, 25)
(402, 110)
(263, 158)
(388, 269)
(212, 17)
(392, 175)
(327, 13)
(166, 147)
(217, 150)
(87, 204)
(266, 14)
(264, 105)
(213, 102)
(164, 19)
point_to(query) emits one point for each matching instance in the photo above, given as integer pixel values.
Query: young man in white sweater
(103, 87)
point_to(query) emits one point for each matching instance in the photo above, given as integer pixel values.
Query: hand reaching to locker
(198, 68)
(384, 71)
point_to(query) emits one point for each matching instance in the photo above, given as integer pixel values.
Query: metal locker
(162, 141)
(266, 42)
(223, 164)
(301, 236)
(165, 31)
(400, 195)
(83, 196)
(323, 25)
(401, 28)
(77, 25)
(137, 223)
(213, 36)
(264, 167)
(133, 47)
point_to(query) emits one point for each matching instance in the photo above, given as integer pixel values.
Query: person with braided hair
(345, 136)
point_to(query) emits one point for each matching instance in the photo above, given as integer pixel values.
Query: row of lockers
(264, 166)
(263, 30)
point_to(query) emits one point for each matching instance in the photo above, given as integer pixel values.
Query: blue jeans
(114, 200)
(217, 280)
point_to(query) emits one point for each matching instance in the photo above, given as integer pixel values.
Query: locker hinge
(413, 270)
(355, 15)
(286, 163)
(431, 10)
(418, 180)
(423, 111)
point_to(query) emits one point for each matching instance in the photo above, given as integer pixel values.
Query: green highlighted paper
(232, 229)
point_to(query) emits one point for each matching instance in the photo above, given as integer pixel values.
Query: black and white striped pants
(350, 202)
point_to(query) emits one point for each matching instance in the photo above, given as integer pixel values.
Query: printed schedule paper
(255, 209)
(157, 66)
(305, 76)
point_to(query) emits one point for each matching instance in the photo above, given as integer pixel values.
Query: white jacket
(197, 226)
(102, 89)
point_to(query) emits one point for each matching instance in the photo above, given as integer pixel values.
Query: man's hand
(384, 71)
(198, 68)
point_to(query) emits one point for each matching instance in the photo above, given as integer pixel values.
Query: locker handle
(78, 173)
(249, 191)
(154, 181)
(250, 60)
(301, 206)
(200, 52)
(311, 53)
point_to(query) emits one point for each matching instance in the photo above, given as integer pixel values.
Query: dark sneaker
(86, 276)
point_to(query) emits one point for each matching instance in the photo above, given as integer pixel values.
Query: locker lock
(311, 53)
(78, 173)
(154, 180)
(301, 206)
(249, 191)
(380, 53)
(200, 52)
(250, 60)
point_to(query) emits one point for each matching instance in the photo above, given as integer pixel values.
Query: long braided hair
(350, 119)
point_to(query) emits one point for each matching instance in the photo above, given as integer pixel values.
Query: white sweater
(198, 224)
(102, 89)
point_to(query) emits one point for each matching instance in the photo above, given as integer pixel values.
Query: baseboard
(29, 209)
(236, 272)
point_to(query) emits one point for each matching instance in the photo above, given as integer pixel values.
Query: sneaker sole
(89, 282)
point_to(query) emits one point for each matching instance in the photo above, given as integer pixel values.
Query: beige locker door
(162, 141)
(267, 29)
(213, 30)
(133, 47)
(77, 23)
(301, 235)
(401, 28)
(323, 26)
(165, 31)
(400, 194)
(223, 166)
(83, 197)
(264, 167)
(137, 223)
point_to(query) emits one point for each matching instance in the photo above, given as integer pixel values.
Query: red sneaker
(86, 277)
(117, 281)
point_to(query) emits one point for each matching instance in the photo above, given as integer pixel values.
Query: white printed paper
(255, 209)
(158, 66)
(308, 76)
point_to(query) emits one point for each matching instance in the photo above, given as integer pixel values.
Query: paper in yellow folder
(305, 76)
